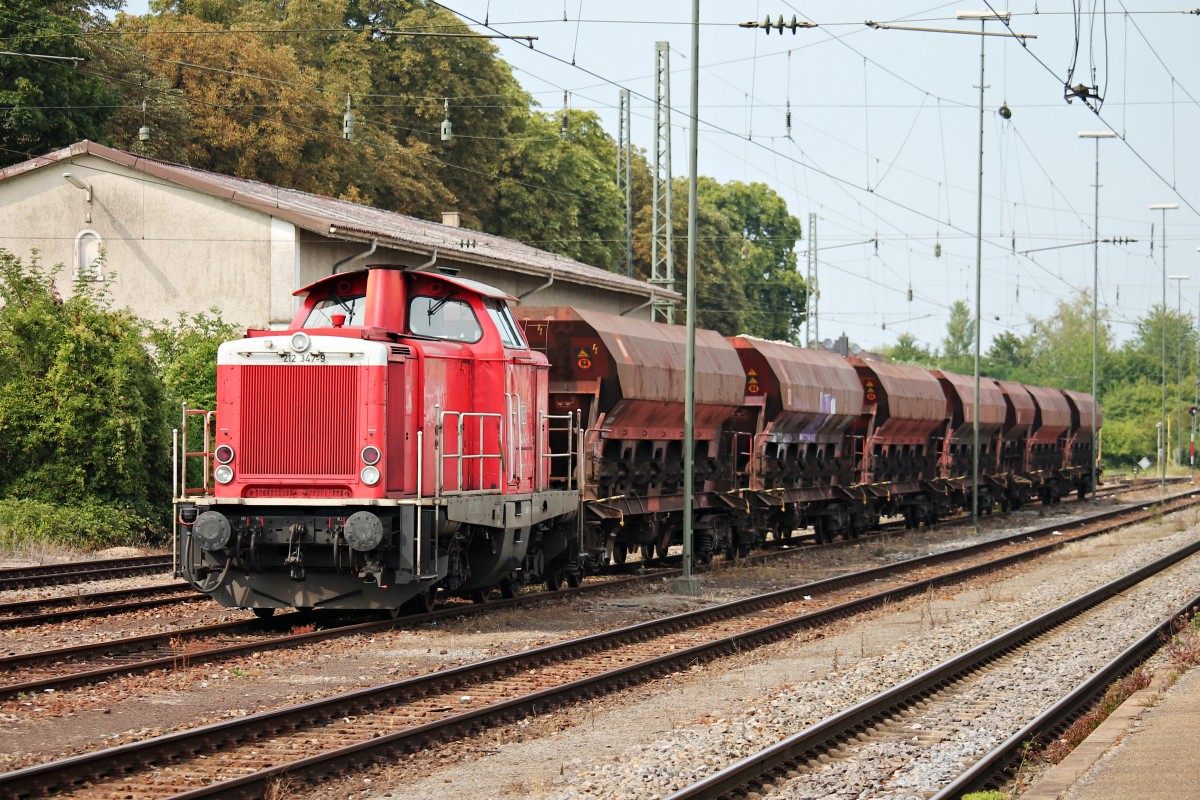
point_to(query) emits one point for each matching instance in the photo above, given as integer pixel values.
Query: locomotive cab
(393, 440)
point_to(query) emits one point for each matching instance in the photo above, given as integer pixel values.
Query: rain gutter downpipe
(356, 256)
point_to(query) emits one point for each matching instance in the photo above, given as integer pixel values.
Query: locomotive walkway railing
(461, 459)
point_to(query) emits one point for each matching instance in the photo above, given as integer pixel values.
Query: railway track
(81, 571)
(243, 757)
(952, 690)
(120, 601)
(58, 609)
(63, 668)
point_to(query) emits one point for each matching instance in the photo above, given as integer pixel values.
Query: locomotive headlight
(223, 474)
(224, 454)
(369, 475)
(370, 454)
(300, 341)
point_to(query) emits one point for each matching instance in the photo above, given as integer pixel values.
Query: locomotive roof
(469, 285)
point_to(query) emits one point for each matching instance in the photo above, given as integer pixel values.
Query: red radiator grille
(298, 420)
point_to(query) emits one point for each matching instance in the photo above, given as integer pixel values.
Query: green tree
(908, 350)
(958, 348)
(82, 414)
(557, 191)
(1131, 414)
(1143, 355)
(46, 102)
(1061, 346)
(766, 262)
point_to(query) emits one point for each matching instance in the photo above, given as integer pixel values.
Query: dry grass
(1183, 650)
(1117, 694)
(36, 551)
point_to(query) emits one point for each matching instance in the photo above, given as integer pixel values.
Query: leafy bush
(82, 411)
(186, 353)
(28, 526)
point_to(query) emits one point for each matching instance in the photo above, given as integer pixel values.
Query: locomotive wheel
(264, 613)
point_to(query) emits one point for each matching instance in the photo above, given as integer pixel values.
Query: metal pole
(687, 583)
(1095, 311)
(1097, 135)
(1178, 372)
(978, 295)
(1162, 472)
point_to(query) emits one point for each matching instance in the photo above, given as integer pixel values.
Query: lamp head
(1005, 111)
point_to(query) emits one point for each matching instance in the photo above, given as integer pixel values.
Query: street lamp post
(1162, 469)
(1097, 135)
(1179, 279)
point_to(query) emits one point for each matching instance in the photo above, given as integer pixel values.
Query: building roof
(341, 219)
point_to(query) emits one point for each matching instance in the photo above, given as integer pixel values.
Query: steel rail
(761, 768)
(995, 765)
(80, 571)
(56, 609)
(167, 653)
(58, 776)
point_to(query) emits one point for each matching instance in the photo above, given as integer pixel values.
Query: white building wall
(168, 249)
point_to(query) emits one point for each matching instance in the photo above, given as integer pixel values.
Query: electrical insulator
(788, 119)
(779, 25)
(447, 128)
(910, 294)
(565, 119)
(937, 250)
(348, 122)
(144, 131)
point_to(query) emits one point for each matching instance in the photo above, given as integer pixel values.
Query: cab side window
(502, 317)
(443, 318)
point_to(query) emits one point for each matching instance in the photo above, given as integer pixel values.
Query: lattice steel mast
(662, 265)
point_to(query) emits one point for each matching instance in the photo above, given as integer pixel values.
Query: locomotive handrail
(442, 455)
(209, 418)
(546, 425)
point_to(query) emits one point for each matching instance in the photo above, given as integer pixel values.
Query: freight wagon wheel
(264, 613)
(479, 596)
(574, 578)
(620, 552)
(421, 603)
(647, 552)
(554, 581)
(508, 588)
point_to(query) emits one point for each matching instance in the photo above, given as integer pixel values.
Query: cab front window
(443, 318)
(352, 307)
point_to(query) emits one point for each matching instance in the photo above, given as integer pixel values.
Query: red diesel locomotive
(407, 433)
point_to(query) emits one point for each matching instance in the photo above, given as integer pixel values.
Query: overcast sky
(885, 140)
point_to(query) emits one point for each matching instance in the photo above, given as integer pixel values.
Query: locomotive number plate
(303, 358)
